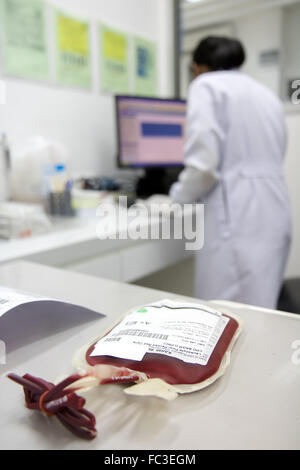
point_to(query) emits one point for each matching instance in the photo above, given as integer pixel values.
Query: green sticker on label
(142, 310)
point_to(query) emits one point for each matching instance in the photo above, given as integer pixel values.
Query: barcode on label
(3, 301)
(143, 333)
(112, 339)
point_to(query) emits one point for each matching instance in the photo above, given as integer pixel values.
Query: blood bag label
(188, 332)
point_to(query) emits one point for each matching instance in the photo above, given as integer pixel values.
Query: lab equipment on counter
(18, 220)
(89, 193)
(58, 191)
(86, 202)
(120, 182)
(5, 169)
(100, 184)
(30, 167)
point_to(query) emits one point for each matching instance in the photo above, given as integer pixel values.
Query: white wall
(261, 32)
(84, 121)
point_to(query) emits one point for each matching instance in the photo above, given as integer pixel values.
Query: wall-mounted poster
(114, 60)
(73, 57)
(145, 53)
(23, 25)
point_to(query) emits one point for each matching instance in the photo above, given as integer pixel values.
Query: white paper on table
(11, 298)
(26, 318)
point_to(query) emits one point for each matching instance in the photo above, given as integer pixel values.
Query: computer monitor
(151, 132)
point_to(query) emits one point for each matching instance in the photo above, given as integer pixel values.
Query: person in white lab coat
(235, 146)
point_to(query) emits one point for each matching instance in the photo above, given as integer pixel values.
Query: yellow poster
(114, 60)
(73, 62)
(114, 45)
(73, 36)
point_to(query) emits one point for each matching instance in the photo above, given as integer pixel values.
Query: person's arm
(202, 149)
(192, 185)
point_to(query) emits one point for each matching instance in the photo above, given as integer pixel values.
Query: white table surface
(256, 405)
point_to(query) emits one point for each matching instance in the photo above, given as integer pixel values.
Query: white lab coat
(235, 145)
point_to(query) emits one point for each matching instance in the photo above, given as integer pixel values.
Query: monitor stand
(157, 181)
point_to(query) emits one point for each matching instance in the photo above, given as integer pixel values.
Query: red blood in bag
(170, 369)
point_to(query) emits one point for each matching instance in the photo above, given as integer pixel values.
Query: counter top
(63, 232)
(69, 233)
(254, 406)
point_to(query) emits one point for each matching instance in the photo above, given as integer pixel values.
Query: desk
(254, 406)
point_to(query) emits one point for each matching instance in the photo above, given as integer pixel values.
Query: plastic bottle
(60, 194)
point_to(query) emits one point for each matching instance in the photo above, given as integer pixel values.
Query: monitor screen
(151, 132)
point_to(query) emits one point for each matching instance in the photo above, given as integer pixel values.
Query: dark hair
(220, 53)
